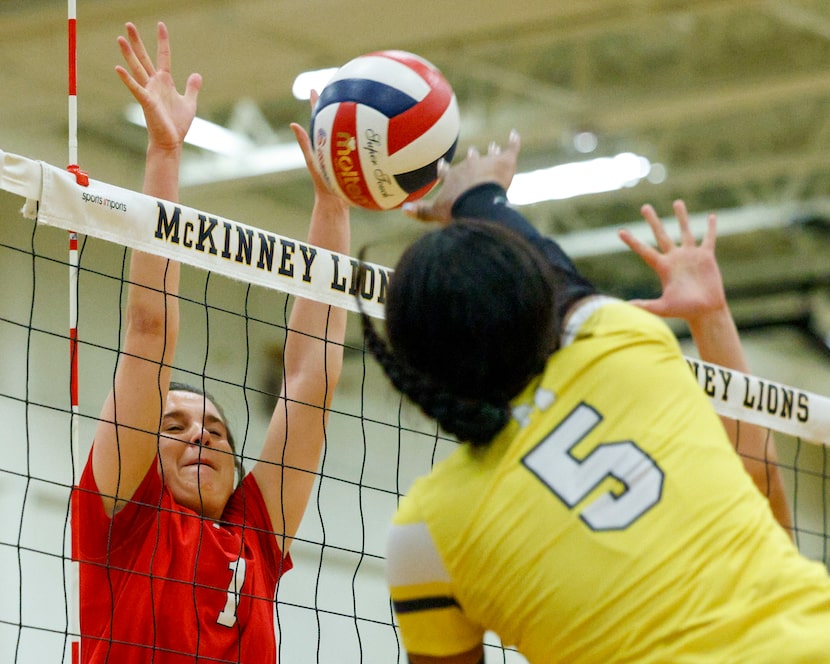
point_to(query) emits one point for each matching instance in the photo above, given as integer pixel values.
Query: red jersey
(159, 583)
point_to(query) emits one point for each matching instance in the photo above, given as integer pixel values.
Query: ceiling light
(239, 157)
(657, 174)
(578, 179)
(257, 161)
(203, 134)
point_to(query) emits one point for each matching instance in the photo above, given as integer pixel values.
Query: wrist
(468, 202)
(715, 317)
(161, 172)
(331, 204)
(716, 337)
(161, 151)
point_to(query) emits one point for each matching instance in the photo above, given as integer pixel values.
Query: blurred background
(723, 104)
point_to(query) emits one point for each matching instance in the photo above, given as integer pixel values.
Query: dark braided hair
(470, 319)
(470, 420)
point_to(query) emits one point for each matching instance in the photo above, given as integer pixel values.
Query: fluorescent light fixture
(238, 157)
(257, 161)
(235, 155)
(203, 134)
(578, 179)
(311, 80)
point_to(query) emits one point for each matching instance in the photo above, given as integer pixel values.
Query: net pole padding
(209, 242)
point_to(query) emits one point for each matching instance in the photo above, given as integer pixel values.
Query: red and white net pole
(73, 592)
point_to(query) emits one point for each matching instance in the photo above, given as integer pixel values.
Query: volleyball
(379, 127)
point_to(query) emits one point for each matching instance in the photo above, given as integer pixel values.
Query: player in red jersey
(177, 563)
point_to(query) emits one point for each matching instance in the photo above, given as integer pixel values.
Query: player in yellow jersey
(597, 511)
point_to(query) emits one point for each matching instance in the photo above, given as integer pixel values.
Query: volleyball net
(236, 289)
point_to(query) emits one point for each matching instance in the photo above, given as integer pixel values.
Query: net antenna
(73, 627)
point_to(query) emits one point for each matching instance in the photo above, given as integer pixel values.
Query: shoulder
(601, 315)
(102, 536)
(247, 510)
(412, 556)
(438, 505)
(452, 480)
(246, 505)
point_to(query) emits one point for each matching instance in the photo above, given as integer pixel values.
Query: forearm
(717, 340)
(161, 172)
(152, 305)
(152, 312)
(312, 363)
(312, 322)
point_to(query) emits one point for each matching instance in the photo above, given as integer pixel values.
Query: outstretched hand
(498, 165)
(689, 273)
(168, 114)
(322, 193)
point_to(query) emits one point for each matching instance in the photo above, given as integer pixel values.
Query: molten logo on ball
(346, 174)
(392, 116)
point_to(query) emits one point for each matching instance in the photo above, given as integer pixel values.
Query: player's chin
(199, 497)
(203, 481)
(195, 479)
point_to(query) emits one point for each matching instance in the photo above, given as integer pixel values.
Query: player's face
(195, 459)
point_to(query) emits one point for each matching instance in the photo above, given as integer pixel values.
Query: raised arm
(693, 291)
(126, 438)
(476, 188)
(312, 360)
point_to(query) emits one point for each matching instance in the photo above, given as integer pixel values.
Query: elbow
(146, 323)
(151, 336)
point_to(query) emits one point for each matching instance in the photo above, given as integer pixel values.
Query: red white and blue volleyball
(380, 126)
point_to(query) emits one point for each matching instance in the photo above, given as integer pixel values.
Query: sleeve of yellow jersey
(430, 618)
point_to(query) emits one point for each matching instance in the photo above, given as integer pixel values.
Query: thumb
(652, 306)
(420, 210)
(304, 142)
(192, 87)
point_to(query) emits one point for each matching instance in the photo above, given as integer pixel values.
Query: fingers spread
(711, 232)
(649, 255)
(163, 56)
(658, 230)
(140, 59)
(686, 236)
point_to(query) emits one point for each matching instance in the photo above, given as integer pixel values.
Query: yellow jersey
(610, 521)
